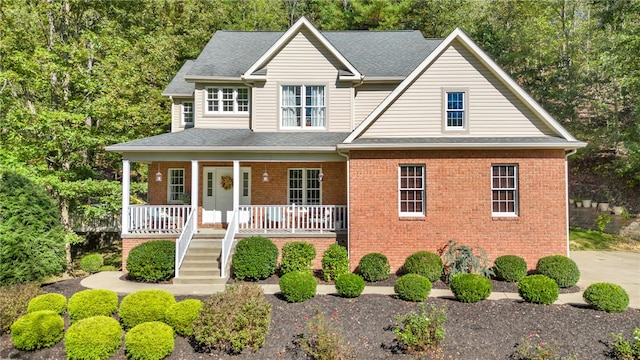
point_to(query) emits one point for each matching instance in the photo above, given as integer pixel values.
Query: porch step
(201, 264)
(199, 280)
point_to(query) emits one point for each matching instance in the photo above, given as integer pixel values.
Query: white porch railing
(182, 243)
(227, 242)
(155, 218)
(292, 218)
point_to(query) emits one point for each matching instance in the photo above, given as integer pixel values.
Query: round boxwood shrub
(91, 263)
(297, 256)
(335, 262)
(606, 297)
(181, 315)
(424, 263)
(256, 258)
(149, 341)
(37, 330)
(144, 305)
(92, 302)
(470, 288)
(349, 285)
(413, 287)
(374, 267)
(52, 301)
(97, 337)
(510, 268)
(107, 268)
(152, 261)
(560, 268)
(298, 286)
(538, 289)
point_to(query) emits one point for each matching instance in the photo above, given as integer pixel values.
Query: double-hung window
(303, 106)
(411, 189)
(187, 113)
(176, 185)
(504, 190)
(304, 187)
(223, 100)
(455, 110)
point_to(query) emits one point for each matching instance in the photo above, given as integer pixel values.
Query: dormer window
(303, 106)
(187, 113)
(227, 100)
(455, 109)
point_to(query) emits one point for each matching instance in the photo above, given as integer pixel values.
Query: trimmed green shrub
(107, 268)
(335, 262)
(560, 268)
(538, 289)
(297, 256)
(510, 268)
(91, 263)
(149, 341)
(256, 258)
(424, 263)
(349, 285)
(421, 332)
(52, 301)
(298, 286)
(181, 315)
(14, 300)
(92, 302)
(412, 287)
(144, 305)
(96, 337)
(233, 320)
(606, 297)
(37, 330)
(374, 267)
(152, 261)
(470, 288)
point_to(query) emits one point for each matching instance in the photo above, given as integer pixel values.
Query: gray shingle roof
(179, 87)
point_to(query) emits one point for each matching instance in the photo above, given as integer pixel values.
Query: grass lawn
(583, 239)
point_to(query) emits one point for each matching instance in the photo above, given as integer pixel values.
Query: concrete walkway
(622, 268)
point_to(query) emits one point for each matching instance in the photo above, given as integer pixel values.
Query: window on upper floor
(187, 113)
(455, 110)
(304, 187)
(175, 184)
(411, 188)
(504, 190)
(303, 106)
(223, 100)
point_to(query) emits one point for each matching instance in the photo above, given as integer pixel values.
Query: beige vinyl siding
(217, 121)
(493, 109)
(368, 97)
(303, 61)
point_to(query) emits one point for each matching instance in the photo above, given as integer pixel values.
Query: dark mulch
(484, 330)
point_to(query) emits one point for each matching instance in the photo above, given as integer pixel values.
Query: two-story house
(381, 140)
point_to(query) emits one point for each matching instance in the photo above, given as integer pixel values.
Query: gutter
(458, 146)
(299, 149)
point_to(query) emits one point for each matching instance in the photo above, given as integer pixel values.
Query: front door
(217, 194)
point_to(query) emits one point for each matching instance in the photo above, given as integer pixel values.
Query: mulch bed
(484, 330)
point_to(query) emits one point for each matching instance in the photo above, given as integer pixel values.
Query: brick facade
(458, 204)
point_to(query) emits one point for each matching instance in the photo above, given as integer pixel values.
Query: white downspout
(126, 186)
(346, 156)
(566, 189)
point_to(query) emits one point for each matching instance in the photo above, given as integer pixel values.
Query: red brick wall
(458, 204)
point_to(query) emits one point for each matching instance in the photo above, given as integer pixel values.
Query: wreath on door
(226, 182)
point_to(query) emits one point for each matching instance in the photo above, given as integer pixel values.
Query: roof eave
(462, 146)
(201, 78)
(176, 95)
(306, 149)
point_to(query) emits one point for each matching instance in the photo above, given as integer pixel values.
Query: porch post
(236, 185)
(195, 176)
(126, 180)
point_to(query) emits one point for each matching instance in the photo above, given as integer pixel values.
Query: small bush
(606, 297)
(92, 302)
(152, 261)
(349, 285)
(91, 263)
(14, 301)
(560, 268)
(233, 320)
(52, 301)
(298, 286)
(423, 332)
(462, 259)
(412, 287)
(538, 289)
(37, 330)
(424, 263)
(626, 350)
(97, 337)
(510, 268)
(181, 315)
(533, 347)
(297, 256)
(107, 268)
(149, 341)
(256, 258)
(374, 267)
(323, 339)
(470, 288)
(335, 262)
(143, 306)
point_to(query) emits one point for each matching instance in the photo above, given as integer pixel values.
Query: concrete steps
(201, 264)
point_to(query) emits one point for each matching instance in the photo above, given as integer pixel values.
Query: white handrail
(227, 242)
(183, 242)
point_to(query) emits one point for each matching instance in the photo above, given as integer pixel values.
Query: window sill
(505, 218)
(412, 218)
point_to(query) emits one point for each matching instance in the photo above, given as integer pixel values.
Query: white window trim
(516, 189)
(169, 200)
(465, 111)
(220, 100)
(303, 94)
(424, 192)
(182, 112)
(304, 185)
